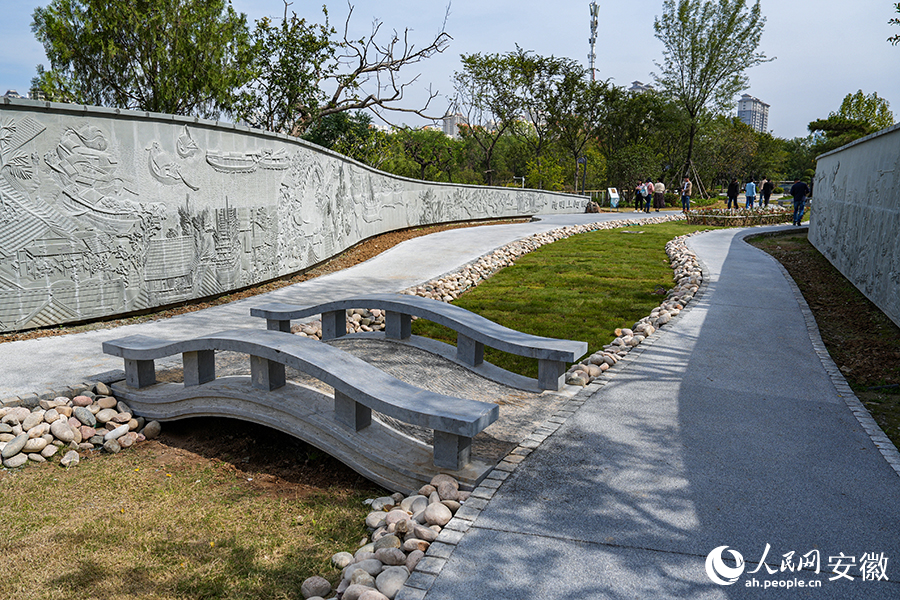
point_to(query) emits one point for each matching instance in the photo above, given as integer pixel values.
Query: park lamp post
(518, 178)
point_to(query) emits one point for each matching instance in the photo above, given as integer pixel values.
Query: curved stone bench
(359, 388)
(474, 332)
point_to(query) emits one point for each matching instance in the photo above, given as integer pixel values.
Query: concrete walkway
(726, 430)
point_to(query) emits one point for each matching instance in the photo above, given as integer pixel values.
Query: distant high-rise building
(754, 112)
(452, 122)
(12, 94)
(637, 86)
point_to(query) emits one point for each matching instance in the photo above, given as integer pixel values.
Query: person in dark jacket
(734, 188)
(799, 191)
(767, 188)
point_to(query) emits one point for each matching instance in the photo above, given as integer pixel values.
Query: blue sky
(825, 49)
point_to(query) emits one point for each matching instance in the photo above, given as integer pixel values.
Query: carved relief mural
(856, 216)
(106, 214)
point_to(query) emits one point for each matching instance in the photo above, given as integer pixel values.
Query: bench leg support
(334, 324)
(279, 325)
(139, 373)
(451, 451)
(469, 351)
(351, 413)
(551, 374)
(397, 326)
(199, 367)
(265, 374)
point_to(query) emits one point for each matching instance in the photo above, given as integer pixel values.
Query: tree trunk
(690, 152)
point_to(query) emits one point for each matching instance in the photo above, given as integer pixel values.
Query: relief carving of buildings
(106, 212)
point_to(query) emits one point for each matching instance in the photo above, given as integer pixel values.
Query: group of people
(765, 187)
(647, 193)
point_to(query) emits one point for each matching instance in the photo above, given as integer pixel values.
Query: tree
(429, 149)
(488, 104)
(708, 48)
(289, 63)
(297, 62)
(537, 82)
(872, 110)
(575, 111)
(169, 56)
(858, 116)
(351, 134)
(895, 39)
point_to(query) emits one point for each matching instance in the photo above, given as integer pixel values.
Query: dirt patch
(273, 463)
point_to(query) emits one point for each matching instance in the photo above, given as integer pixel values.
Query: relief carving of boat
(232, 162)
(276, 160)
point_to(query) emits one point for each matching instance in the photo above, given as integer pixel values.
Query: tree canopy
(708, 47)
(858, 116)
(168, 56)
(895, 39)
(198, 57)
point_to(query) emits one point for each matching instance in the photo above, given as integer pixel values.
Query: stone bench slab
(474, 331)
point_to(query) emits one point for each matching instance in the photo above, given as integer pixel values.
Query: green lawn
(581, 288)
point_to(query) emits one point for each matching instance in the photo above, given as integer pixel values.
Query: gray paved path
(726, 430)
(32, 366)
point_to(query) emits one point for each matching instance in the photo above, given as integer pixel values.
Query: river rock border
(91, 420)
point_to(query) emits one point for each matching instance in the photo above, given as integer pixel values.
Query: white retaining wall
(855, 220)
(105, 211)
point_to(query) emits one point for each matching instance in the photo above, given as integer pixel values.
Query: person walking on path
(750, 191)
(659, 194)
(686, 189)
(767, 188)
(648, 189)
(638, 196)
(734, 189)
(799, 191)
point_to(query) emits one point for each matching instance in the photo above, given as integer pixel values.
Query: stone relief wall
(105, 212)
(855, 220)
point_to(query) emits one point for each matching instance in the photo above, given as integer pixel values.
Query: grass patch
(580, 288)
(158, 522)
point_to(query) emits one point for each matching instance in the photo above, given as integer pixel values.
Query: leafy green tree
(800, 159)
(837, 131)
(487, 102)
(725, 150)
(429, 149)
(290, 61)
(169, 56)
(351, 134)
(537, 82)
(628, 165)
(709, 45)
(895, 39)
(575, 112)
(858, 116)
(872, 110)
